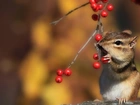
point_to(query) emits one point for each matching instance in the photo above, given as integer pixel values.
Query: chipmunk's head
(118, 48)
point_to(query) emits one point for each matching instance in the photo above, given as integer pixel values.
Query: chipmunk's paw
(97, 100)
(121, 100)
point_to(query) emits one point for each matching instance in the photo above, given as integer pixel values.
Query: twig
(97, 28)
(82, 48)
(57, 21)
(101, 28)
(99, 20)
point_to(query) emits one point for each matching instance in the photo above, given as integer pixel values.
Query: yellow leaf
(56, 94)
(41, 34)
(66, 6)
(33, 73)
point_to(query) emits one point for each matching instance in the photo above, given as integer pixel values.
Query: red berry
(95, 7)
(104, 13)
(95, 56)
(58, 79)
(97, 1)
(59, 72)
(100, 6)
(104, 1)
(98, 37)
(96, 65)
(93, 1)
(67, 72)
(104, 60)
(95, 17)
(110, 7)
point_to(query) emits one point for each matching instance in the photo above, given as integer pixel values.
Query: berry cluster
(99, 5)
(60, 73)
(96, 5)
(96, 64)
(102, 7)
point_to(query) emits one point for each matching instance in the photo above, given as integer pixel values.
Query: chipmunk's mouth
(103, 51)
(105, 56)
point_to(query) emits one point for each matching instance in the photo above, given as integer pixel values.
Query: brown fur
(120, 73)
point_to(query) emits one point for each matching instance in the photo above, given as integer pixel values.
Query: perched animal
(119, 79)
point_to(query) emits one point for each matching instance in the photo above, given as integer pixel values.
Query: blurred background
(31, 49)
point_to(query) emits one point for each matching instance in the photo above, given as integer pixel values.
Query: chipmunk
(119, 79)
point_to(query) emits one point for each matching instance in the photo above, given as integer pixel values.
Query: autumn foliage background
(31, 49)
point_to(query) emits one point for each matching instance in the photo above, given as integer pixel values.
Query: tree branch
(57, 21)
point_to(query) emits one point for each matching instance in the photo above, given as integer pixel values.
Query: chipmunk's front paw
(121, 100)
(97, 100)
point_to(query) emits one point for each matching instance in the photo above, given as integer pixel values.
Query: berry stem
(100, 24)
(57, 21)
(83, 47)
(99, 20)
(98, 29)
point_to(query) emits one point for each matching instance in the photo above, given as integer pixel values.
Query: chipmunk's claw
(97, 100)
(121, 100)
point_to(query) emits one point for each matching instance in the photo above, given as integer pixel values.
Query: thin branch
(101, 29)
(99, 20)
(57, 21)
(82, 48)
(98, 28)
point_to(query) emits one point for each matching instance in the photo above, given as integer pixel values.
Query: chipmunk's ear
(105, 33)
(127, 32)
(133, 41)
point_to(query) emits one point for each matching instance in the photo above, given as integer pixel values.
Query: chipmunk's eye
(118, 42)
